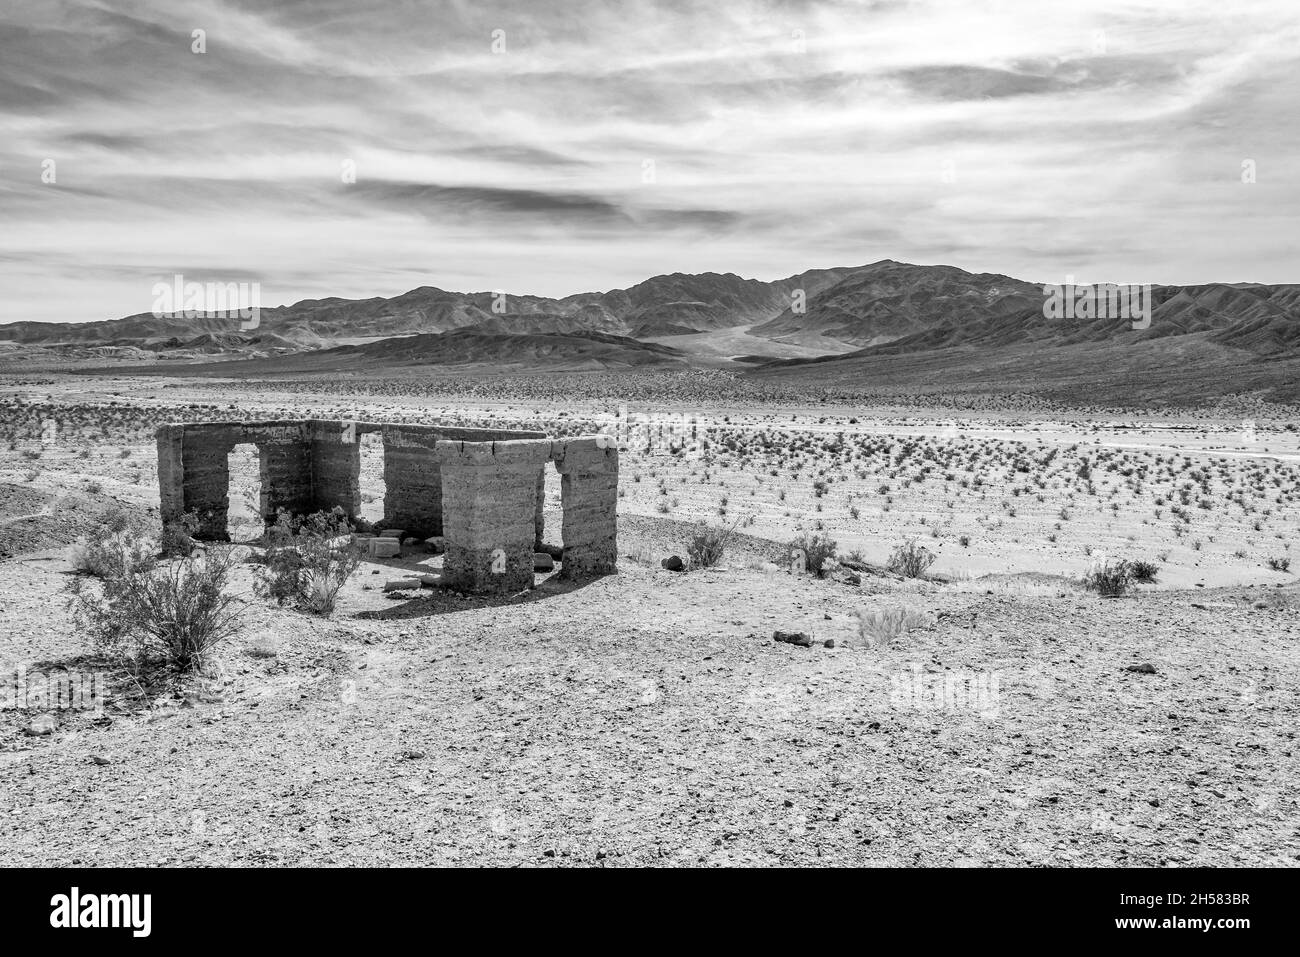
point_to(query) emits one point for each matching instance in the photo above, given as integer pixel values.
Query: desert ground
(650, 717)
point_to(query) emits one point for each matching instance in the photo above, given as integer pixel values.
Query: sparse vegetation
(817, 549)
(308, 560)
(882, 627)
(910, 560)
(1110, 579)
(174, 615)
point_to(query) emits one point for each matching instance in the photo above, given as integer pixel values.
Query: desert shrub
(175, 614)
(880, 628)
(178, 536)
(1144, 571)
(817, 550)
(1280, 563)
(910, 560)
(707, 545)
(1109, 579)
(308, 560)
(109, 552)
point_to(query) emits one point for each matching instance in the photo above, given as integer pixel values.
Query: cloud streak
(555, 150)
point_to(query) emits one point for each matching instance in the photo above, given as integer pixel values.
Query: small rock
(829, 643)
(43, 725)
(673, 563)
(412, 540)
(1143, 669)
(412, 755)
(396, 533)
(437, 544)
(543, 562)
(401, 584)
(802, 639)
(100, 759)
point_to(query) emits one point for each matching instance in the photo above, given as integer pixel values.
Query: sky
(363, 149)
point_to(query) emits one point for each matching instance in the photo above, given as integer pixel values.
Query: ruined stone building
(480, 489)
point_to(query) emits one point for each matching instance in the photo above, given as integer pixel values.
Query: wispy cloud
(336, 148)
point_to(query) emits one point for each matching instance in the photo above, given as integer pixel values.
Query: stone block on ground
(384, 547)
(401, 584)
(543, 562)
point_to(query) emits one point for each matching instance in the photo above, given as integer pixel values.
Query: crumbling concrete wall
(588, 470)
(481, 489)
(335, 467)
(194, 471)
(489, 505)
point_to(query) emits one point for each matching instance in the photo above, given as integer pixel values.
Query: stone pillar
(589, 493)
(335, 467)
(489, 504)
(171, 474)
(205, 479)
(413, 482)
(539, 515)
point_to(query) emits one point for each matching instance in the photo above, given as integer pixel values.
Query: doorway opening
(244, 521)
(373, 486)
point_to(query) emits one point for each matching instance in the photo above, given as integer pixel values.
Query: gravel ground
(555, 728)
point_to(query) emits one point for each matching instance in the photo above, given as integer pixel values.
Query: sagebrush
(308, 560)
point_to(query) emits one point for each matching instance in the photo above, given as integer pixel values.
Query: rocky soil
(649, 718)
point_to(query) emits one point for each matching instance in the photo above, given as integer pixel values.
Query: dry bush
(308, 560)
(880, 628)
(110, 552)
(1144, 571)
(707, 545)
(175, 615)
(817, 550)
(1109, 579)
(178, 536)
(910, 560)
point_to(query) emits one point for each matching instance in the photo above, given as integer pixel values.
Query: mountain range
(886, 322)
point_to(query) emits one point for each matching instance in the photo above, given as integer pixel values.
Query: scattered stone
(829, 643)
(396, 533)
(411, 541)
(42, 725)
(385, 547)
(673, 563)
(543, 562)
(401, 584)
(1143, 669)
(802, 639)
(413, 755)
(101, 760)
(430, 581)
(437, 544)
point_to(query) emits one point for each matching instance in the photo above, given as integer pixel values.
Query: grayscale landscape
(756, 557)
